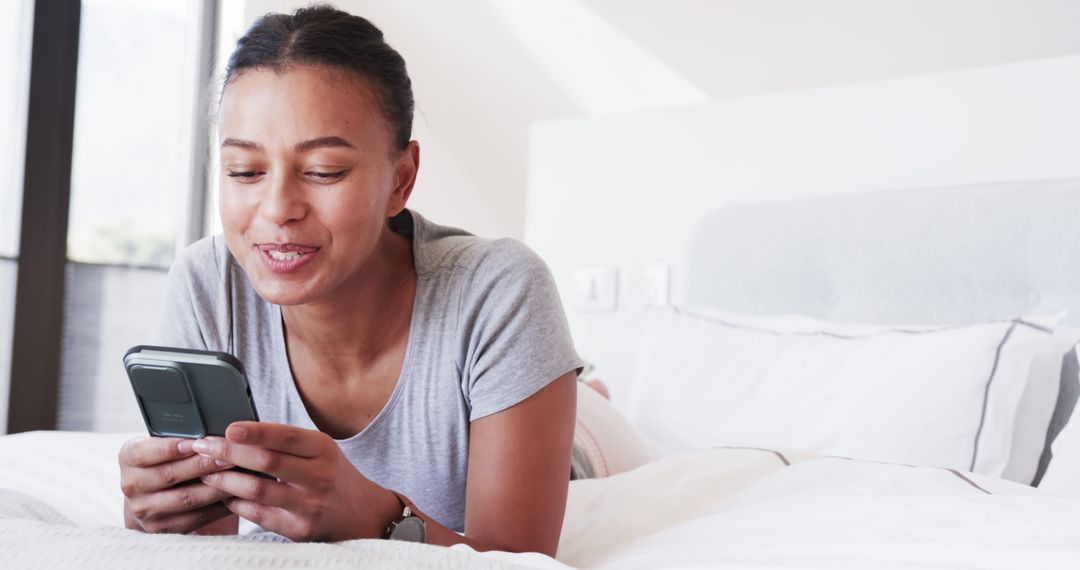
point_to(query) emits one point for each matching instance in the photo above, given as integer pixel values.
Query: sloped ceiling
(744, 47)
(484, 70)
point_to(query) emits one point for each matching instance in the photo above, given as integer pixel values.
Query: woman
(403, 370)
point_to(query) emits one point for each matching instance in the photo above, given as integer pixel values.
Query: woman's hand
(519, 471)
(162, 493)
(318, 495)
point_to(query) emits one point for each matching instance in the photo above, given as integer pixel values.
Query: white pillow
(1035, 408)
(941, 397)
(1038, 404)
(1063, 474)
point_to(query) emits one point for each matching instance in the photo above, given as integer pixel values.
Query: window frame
(37, 352)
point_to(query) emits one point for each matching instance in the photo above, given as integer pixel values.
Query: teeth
(285, 255)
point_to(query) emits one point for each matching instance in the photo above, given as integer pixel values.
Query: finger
(152, 479)
(274, 519)
(250, 487)
(279, 437)
(175, 501)
(189, 521)
(150, 451)
(257, 458)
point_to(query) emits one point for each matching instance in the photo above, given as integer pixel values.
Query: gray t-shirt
(488, 330)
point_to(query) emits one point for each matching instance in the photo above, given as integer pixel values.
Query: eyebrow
(320, 142)
(323, 142)
(249, 145)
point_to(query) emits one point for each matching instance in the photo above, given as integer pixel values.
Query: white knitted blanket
(34, 535)
(714, 508)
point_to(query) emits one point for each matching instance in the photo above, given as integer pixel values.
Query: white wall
(475, 97)
(484, 70)
(628, 190)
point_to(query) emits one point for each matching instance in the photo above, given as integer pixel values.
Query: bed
(964, 376)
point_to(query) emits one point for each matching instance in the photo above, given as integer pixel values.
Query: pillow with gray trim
(940, 397)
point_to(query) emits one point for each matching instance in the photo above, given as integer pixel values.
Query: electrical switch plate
(597, 288)
(655, 280)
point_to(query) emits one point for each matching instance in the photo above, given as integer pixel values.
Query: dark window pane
(107, 310)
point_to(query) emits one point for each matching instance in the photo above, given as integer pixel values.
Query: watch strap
(406, 513)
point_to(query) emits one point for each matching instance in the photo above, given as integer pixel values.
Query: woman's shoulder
(446, 248)
(197, 286)
(203, 263)
(206, 273)
(510, 335)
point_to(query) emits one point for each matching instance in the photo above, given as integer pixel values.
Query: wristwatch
(407, 527)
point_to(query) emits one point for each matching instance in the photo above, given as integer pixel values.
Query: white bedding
(944, 396)
(731, 508)
(32, 534)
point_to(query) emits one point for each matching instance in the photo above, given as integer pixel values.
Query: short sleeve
(517, 339)
(189, 317)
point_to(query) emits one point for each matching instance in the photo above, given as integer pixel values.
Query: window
(136, 123)
(14, 87)
(134, 118)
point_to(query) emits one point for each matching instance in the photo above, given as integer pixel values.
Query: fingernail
(239, 433)
(221, 463)
(202, 447)
(184, 446)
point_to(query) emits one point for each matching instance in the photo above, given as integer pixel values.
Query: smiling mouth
(287, 248)
(286, 257)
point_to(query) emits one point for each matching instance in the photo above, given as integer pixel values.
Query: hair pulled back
(325, 36)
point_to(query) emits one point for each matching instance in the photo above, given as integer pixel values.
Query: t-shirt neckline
(283, 352)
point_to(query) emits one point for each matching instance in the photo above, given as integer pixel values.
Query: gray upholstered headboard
(926, 255)
(917, 256)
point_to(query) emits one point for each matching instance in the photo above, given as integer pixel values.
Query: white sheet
(753, 512)
(726, 508)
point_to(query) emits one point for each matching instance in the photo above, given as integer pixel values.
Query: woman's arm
(519, 470)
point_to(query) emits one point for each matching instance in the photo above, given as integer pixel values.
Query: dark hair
(324, 35)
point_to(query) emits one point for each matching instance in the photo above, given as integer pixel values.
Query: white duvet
(729, 508)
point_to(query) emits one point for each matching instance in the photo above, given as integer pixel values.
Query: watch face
(410, 529)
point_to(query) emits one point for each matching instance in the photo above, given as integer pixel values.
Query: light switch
(597, 288)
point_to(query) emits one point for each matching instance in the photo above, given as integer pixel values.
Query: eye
(322, 176)
(244, 175)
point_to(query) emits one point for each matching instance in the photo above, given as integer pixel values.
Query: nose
(284, 200)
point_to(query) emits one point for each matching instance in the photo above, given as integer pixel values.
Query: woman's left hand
(319, 495)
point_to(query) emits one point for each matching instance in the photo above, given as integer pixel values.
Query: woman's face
(308, 179)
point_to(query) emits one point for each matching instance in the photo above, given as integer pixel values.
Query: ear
(404, 178)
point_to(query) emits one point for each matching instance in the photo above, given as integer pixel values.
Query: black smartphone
(188, 393)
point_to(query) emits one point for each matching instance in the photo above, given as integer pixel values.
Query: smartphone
(188, 393)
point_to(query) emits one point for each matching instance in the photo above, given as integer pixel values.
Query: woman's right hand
(162, 491)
